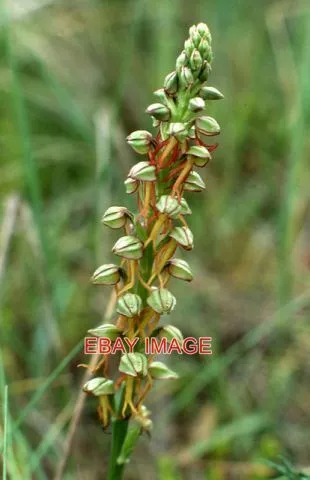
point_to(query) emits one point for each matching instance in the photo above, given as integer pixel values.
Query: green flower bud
(178, 130)
(210, 93)
(200, 154)
(160, 371)
(181, 60)
(188, 47)
(128, 247)
(204, 31)
(159, 111)
(205, 71)
(195, 60)
(99, 386)
(185, 210)
(192, 30)
(108, 274)
(162, 301)
(205, 50)
(170, 332)
(143, 418)
(143, 171)
(179, 269)
(140, 141)
(131, 185)
(196, 104)
(129, 305)
(116, 217)
(134, 364)
(168, 205)
(162, 96)
(192, 132)
(107, 330)
(194, 35)
(194, 183)
(171, 83)
(186, 77)
(156, 123)
(183, 236)
(207, 126)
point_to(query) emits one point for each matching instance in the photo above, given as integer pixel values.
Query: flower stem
(119, 430)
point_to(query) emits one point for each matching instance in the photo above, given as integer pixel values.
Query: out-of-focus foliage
(75, 78)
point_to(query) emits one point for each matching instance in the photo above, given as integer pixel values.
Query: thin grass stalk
(32, 183)
(5, 432)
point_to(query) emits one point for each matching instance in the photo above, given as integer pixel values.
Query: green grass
(74, 81)
(5, 433)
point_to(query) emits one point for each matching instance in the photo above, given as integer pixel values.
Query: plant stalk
(119, 430)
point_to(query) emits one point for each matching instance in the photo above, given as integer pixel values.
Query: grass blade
(39, 393)
(5, 433)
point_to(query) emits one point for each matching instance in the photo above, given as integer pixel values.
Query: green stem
(119, 430)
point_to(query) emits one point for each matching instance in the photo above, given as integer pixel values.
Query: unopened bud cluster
(158, 231)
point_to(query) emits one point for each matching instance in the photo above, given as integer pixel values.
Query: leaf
(130, 442)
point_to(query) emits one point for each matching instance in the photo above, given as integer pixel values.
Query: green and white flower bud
(192, 132)
(116, 217)
(170, 332)
(171, 83)
(134, 364)
(196, 104)
(194, 35)
(205, 50)
(108, 274)
(210, 93)
(194, 183)
(186, 77)
(181, 61)
(107, 330)
(129, 305)
(160, 371)
(99, 386)
(131, 185)
(140, 141)
(205, 71)
(207, 126)
(162, 301)
(192, 30)
(200, 154)
(168, 205)
(195, 60)
(188, 47)
(185, 209)
(143, 171)
(162, 95)
(159, 111)
(156, 123)
(143, 418)
(129, 247)
(204, 31)
(183, 236)
(178, 130)
(180, 269)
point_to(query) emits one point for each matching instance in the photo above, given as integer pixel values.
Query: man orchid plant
(151, 238)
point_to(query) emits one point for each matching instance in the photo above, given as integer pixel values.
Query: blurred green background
(75, 79)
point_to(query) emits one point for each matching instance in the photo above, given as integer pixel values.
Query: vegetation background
(75, 79)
